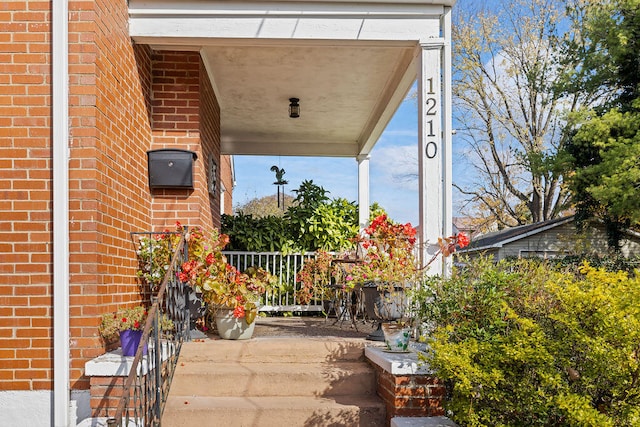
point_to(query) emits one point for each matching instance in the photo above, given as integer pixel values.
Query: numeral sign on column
(431, 109)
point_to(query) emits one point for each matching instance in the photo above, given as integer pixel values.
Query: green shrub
(611, 262)
(523, 344)
(312, 222)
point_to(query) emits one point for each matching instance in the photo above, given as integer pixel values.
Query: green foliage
(302, 217)
(523, 344)
(606, 156)
(604, 151)
(266, 234)
(605, 52)
(615, 262)
(332, 226)
(313, 221)
(614, 180)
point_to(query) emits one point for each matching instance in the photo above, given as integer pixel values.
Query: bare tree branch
(510, 110)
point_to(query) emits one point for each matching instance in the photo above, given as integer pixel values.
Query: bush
(520, 343)
(615, 262)
(312, 222)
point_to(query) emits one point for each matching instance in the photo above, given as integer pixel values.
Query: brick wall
(25, 193)
(116, 100)
(227, 178)
(110, 134)
(410, 395)
(186, 116)
(210, 143)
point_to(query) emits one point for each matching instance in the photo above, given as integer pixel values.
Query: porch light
(294, 108)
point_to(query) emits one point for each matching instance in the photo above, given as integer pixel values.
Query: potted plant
(154, 255)
(155, 252)
(233, 297)
(235, 300)
(127, 323)
(388, 268)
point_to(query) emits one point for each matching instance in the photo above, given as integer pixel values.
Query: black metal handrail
(146, 388)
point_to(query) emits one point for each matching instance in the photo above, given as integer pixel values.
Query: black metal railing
(146, 388)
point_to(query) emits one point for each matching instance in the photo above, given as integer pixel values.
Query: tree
(604, 151)
(264, 206)
(510, 108)
(605, 57)
(609, 186)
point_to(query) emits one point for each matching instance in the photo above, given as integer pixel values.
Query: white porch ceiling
(350, 63)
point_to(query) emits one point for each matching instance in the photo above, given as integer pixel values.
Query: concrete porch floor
(311, 326)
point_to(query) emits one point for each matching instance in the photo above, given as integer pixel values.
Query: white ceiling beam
(278, 148)
(283, 20)
(237, 9)
(142, 28)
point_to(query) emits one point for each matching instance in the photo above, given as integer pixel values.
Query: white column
(447, 134)
(432, 156)
(363, 191)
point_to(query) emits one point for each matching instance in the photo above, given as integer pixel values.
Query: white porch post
(363, 191)
(434, 157)
(447, 136)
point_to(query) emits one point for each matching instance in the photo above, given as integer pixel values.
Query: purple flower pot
(129, 340)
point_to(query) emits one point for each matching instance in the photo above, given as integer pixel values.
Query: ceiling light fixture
(294, 108)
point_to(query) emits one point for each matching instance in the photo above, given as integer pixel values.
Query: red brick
(108, 112)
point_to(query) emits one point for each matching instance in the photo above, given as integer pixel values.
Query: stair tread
(267, 349)
(226, 367)
(195, 403)
(277, 379)
(355, 411)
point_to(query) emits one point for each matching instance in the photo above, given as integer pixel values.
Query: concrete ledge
(114, 364)
(407, 386)
(422, 422)
(397, 363)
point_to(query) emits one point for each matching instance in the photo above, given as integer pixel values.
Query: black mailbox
(171, 168)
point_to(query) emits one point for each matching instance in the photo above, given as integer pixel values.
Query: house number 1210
(431, 109)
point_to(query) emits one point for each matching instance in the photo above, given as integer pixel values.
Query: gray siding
(562, 240)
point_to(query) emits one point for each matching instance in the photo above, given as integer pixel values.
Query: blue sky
(394, 155)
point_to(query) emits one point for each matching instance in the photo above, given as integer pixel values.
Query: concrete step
(274, 381)
(333, 378)
(274, 349)
(274, 411)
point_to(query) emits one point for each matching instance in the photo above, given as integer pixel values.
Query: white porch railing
(285, 267)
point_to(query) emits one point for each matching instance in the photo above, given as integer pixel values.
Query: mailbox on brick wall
(171, 168)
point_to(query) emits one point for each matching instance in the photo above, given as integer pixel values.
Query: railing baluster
(146, 388)
(157, 406)
(285, 268)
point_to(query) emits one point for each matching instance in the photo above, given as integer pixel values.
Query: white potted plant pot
(232, 328)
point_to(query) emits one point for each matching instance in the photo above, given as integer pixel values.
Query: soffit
(349, 63)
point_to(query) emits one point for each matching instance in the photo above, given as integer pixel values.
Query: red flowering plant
(389, 255)
(154, 255)
(128, 318)
(220, 283)
(390, 262)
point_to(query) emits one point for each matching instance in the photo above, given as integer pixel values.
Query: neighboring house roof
(499, 238)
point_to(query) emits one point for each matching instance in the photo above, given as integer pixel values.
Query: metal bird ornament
(279, 182)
